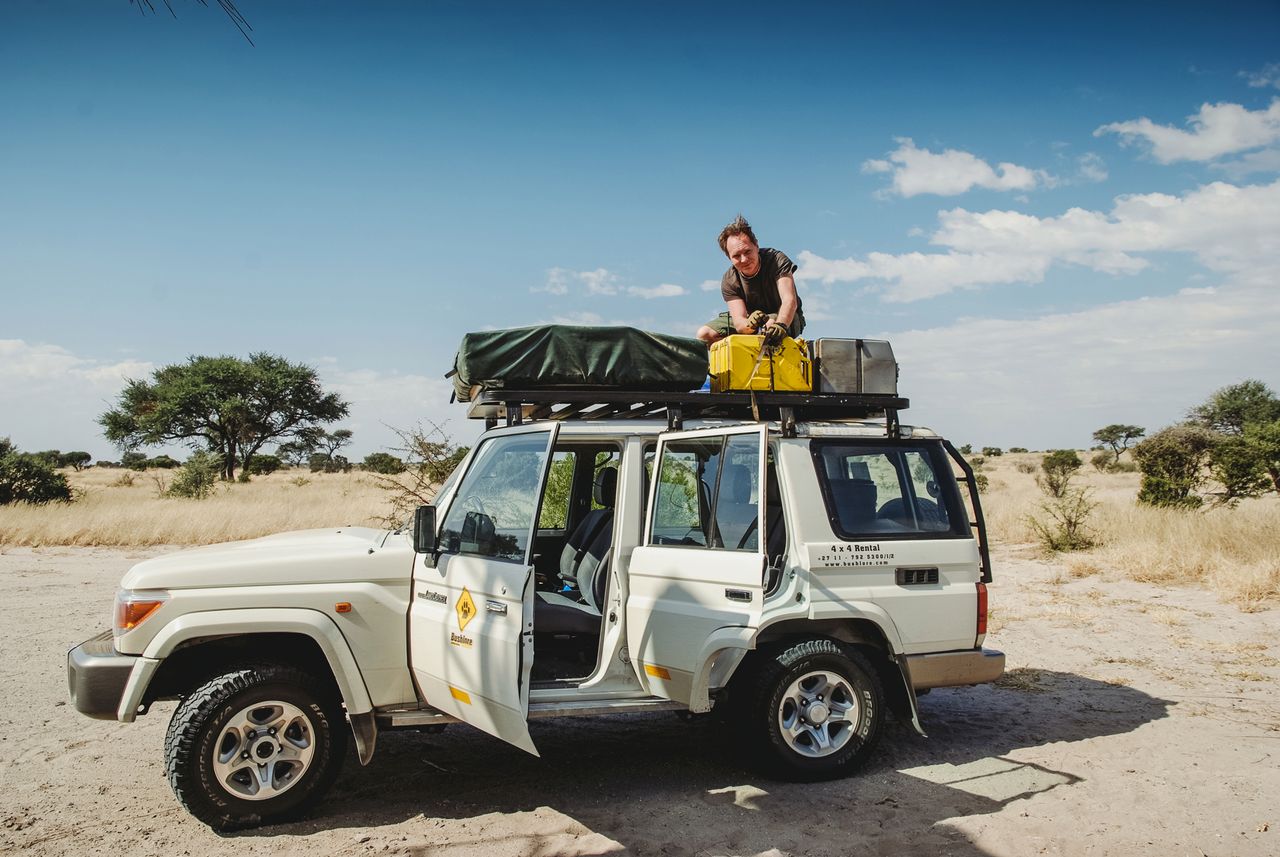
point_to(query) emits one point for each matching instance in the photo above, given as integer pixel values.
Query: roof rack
(517, 406)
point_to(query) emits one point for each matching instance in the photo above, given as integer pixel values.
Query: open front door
(697, 581)
(471, 619)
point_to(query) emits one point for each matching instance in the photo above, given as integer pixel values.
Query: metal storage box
(854, 366)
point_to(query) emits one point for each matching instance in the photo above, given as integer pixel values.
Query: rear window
(874, 489)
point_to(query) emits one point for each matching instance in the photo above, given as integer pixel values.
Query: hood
(305, 556)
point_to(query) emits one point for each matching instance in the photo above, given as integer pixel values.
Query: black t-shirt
(761, 291)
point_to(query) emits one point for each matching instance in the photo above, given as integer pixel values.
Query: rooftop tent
(565, 356)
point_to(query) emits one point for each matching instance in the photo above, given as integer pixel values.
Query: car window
(874, 489)
(708, 493)
(493, 510)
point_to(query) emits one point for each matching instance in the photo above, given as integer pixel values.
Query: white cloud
(52, 397)
(1228, 229)
(1091, 168)
(1268, 75)
(1216, 130)
(381, 402)
(950, 172)
(709, 285)
(663, 290)
(598, 282)
(1145, 361)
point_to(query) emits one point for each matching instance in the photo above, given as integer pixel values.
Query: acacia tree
(228, 405)
(1118, 437)
(1247, 417)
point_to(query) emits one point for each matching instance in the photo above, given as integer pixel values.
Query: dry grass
(1235, 552)
(116, 511)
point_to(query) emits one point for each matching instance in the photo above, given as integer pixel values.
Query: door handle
(496, 607)
(738, 595)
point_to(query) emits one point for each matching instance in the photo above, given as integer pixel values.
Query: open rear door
(697, 581)
(471, 619)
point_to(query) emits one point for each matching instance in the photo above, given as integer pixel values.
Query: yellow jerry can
(736, 365)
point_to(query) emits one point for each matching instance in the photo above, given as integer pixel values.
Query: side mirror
(424, 529)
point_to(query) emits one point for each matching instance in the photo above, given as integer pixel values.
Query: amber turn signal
(132, 609)
(342, 607)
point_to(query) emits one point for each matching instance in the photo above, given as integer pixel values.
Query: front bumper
(97, 675)
(955, 669)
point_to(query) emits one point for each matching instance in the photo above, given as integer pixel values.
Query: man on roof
(759, 288)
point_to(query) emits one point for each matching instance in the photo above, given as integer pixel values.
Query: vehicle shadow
(652, 784)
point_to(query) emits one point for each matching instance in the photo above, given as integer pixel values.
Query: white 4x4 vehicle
(804, 575)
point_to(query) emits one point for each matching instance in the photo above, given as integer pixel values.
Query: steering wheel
(473, 503)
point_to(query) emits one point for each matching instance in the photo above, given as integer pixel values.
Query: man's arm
(738, 315)
(787, 293)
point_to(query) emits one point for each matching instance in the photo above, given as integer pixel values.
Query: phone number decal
(849, 556)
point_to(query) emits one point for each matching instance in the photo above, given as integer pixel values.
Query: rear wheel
(254, 746)
(815, 711)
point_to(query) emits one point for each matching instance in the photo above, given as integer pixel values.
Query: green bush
(992, 451)
(196, 479)
(1122, 467)
(163, 462)
(1064, 526)
(134, 461)
(981, 480)
(1101, 461)
(261, 465)
(382, 462)
(322, 463)
(1059, 466)
(77, 460)
(1172, 463)
(1025, 467)
(976, 462)
(1017, 449)
(967, 449)
(27, 478)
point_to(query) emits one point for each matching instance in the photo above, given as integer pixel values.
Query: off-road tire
(196, 734)
(805, 670)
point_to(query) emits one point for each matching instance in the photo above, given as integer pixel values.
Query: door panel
(471, 620)
(697, 581)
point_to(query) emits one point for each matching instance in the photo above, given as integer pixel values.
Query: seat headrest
(737, 479)
(606, 487)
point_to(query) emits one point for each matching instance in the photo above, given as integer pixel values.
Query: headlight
(135, 606)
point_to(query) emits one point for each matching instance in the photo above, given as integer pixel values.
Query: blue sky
(1061, 215)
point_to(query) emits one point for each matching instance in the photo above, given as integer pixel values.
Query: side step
(426, 716)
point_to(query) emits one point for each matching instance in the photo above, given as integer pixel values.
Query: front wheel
(815, 712)
(254, 746)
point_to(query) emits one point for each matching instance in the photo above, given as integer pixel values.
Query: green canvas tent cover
(565, 356)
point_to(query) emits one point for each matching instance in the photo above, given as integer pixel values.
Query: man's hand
(774, 333)
(756, 320)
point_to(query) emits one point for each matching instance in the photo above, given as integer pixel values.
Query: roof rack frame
(514, 407)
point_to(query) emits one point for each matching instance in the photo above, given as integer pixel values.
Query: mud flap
(910, 695)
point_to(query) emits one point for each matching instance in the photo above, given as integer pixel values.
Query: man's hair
(738, 226)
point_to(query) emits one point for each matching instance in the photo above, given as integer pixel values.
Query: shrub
(1065, 525)
(1172, 462)
(164, 462)
(134, 461)
(27, 478)
(1236, 466)
(1017, 449)
(430, 455)
(196, 479)
(1025, 467)
(992, 451)
(1101, 461)
(976, 462)
(967, 449)
(322, 463)
(982, 481)
(261, 465)
(1123, 467)
(1059, 466)
(383, 462)
(76, 460)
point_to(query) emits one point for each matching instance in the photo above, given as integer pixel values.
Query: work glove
(774, 333)
(756, 320)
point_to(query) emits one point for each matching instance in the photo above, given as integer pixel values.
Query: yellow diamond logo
(466, 609)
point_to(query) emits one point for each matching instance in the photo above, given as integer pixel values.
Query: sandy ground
(1134, 720)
